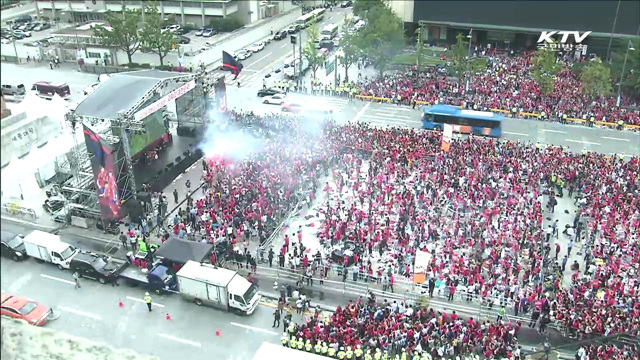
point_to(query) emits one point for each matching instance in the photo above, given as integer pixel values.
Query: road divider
(57, 279)
(78, 312)
(188, 342)
(142, 301)
(254, 328)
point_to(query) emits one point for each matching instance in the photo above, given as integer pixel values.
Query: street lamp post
(624, 67)
(469, 60)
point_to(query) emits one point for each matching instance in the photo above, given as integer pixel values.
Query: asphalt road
(272, 57)
(93, 312)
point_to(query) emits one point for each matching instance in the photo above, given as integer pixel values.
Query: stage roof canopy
(120, 92)
(180, 251)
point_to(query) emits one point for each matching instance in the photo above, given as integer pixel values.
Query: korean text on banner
(447, 136)
(164, 100)
(422, 261)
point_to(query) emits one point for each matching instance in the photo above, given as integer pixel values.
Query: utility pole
(300, 53)
(293, 42)
(613, 29)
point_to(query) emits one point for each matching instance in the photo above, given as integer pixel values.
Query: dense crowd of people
(398, 330)
(506, 84)
(475, 210)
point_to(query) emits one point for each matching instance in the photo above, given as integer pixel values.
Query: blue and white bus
(463, 121)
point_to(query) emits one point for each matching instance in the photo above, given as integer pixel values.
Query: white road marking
(262, 58)
(255, 328)
(179, 340)
(57, 279)
(282, 47)
(553, 131)
(387, 113)
(396, 108)
(614, 138)
(359, 114)
(77, 312)
(392, 122)
(514, 133)
(142, 301)
(582, 142)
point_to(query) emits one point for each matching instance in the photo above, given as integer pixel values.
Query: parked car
(11, 246)
(276, 99)
(97, 267)
(244, 54)
(346, 4)
(280, 35)
(182, 31)
(31, 26)
(21, 308)
(13, 89)
(209, 32)
(292, 29)
(199, 32)
(42, 26)
(183, 39)
(256, 47)
(18, 35)
(269, 92)
(172, 28)
(24, 33)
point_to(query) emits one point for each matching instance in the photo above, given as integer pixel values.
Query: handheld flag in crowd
(231, 64)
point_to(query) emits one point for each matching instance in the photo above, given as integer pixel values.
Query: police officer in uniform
(368, 356)
(285, 339)
(349, 353)
(331, 351)
(293, 343)
(317, 348)
(358, 353)
(378, 354)
(592, 121)
(403, 356)
(564, 118)
(341, 353)
(307, 346)
(300, 343)
(620, 124)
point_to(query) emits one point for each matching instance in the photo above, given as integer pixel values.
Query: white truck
(46, 247)
(217, 287)
(289, 71)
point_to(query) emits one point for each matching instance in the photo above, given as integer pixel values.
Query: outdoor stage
(179, 155)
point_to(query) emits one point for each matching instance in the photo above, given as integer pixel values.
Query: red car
(291, 107)
(21, 308)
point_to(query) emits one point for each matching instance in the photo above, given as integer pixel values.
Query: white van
(46, 247)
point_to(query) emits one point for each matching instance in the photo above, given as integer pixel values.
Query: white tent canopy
(18, 180)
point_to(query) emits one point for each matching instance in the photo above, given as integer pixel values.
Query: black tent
(180, 251)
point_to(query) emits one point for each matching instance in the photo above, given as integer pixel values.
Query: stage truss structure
(76, 178)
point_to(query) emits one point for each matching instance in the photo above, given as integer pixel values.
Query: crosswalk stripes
(246, 79)
(318, 102)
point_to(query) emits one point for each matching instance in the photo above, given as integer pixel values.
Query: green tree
(154, 39)
(631, 77)
(460, 55)
(361, 7)
(381, 37)
(544, 68)
(309, 50)
(122, 33)
(350, 46)
(596, 78)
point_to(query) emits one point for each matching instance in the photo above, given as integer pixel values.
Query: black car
(269, 92)
(182, 31)
(346, 4)
(183, 39)
(12, 246)
(96, 267)
(280, 35)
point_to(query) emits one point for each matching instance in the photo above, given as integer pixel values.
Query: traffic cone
(120, 304)
(218, 333)
(168, 316)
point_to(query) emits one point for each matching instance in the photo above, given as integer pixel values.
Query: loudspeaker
(169, 165)
(178, 159)
(144, 196)
(134, 208)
